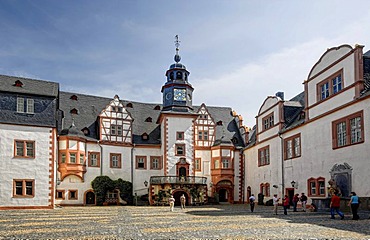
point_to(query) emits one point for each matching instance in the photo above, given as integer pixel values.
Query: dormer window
(219, 123)
(18, 83)
(330, 86)
(86, 131)
(74, 111)
(268, 121)
(149, 119)
(74, 97)
(145, 136)
(129, 105)
(157, 107)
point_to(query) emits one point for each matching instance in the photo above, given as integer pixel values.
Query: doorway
(290, 193)
(223, 195)
(177, 195)
(90, 198)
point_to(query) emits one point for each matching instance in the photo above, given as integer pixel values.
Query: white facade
(327, 140)
(38, 170)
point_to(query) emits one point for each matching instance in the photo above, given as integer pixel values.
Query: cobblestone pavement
(203, 222)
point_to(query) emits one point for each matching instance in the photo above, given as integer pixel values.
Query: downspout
(282, 164)
(132, 168)
(101, 158)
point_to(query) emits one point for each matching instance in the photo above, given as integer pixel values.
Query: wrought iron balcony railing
(178, 180)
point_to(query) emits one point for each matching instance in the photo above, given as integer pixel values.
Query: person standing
(252, 200)
(183, 201)
(275, 201)
(295, 202)
(334, 206)
(171, 200)
(354, 203)
(304, 201)
(286, 204)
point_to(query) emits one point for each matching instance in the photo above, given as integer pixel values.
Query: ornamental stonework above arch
(341, 174)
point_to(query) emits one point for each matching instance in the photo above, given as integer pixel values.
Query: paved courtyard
(205, 222)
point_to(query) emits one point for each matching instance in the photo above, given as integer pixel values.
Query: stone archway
(177, 194)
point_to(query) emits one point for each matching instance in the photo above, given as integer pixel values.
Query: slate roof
(30, 86)
(89, 107)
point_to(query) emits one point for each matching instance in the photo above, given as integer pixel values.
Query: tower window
(179, 75)
(172, 76)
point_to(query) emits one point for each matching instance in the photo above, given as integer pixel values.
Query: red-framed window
(115, 160)
(292, 147)
(316, 187)
(348, 131)
(23, 188)
(140, 162)
(268, 121)
(264, 156)
(24, 148)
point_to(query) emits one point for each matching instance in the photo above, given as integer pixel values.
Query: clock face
(179, 94)
(168, 96)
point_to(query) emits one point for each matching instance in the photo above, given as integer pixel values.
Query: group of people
(354, 203)
(171, 201)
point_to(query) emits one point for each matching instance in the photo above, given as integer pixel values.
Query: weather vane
(177, 44)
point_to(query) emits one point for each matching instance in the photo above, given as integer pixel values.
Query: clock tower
(177, 91)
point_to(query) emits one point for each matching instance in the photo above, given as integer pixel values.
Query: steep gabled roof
(28, 86)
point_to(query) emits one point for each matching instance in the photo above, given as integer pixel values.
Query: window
(94, 159)
(179, 135)
(72, 195)
(264, 156)
(292, 147)
(20, 104)
(330, 86)
(348, 130)
(72, 158)
(145, 136)
(141, 162)
(316, 187)
(155, 162)
(24, 149)
(74, 111)
(217, 164)
(265, 189)
(203, 135)
(225, 163)
(180, 149)
(268, 121)
(30, 106)
(115, 160)
(198, 163)
(63, 158)
(60, 194)
(116, 130)
(23, 188)
(74, 97)
(82, 159)
(148, 119)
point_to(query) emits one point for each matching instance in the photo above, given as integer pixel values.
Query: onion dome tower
(177, 91)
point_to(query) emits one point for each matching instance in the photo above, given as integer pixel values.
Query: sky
(238, 52)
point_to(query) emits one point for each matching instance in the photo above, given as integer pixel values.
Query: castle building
(169, 148)
(316, 142)
(53, 144)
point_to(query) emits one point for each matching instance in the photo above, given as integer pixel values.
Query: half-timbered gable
(204, 128)
(115, 123)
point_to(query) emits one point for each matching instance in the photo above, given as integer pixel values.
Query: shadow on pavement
(321, 218)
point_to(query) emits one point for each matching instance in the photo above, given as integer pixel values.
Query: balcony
(177, 180)
(66, 169)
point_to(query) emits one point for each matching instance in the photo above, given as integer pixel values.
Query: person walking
(183, 201)
(275, 201)
(354, 203)
(286, 204)
(304, 201)
(335, 205)
(295, 202)
(252, 200)
(171, 200)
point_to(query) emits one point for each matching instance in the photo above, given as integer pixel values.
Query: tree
(101, 185)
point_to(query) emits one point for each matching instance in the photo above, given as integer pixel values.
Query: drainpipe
(101, 159)
(132, 168)
(282, 164)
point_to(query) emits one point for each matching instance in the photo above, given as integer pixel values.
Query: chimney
(280, 95)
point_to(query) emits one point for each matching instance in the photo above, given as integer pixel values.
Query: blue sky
(238, 52)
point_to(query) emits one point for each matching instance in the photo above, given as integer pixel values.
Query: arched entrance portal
(90, 198)
(177, 196)
(223, 195)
